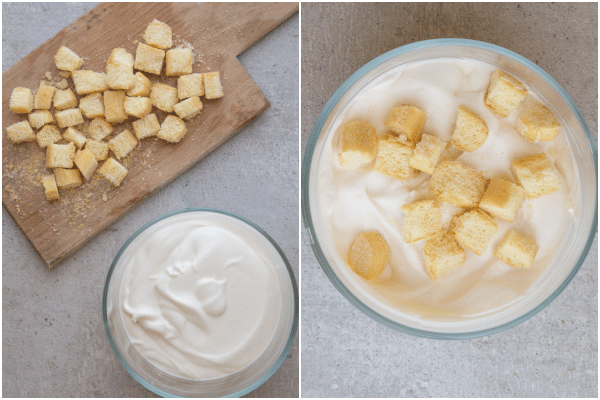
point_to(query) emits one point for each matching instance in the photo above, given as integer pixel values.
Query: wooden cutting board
(217, 32)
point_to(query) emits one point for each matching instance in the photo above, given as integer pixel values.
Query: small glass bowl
(577, 240)
(233, 385)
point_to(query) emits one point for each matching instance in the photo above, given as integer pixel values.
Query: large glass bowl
(233, 385)
(577, 240)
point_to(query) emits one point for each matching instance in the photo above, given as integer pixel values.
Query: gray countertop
(53, 339)
(347, 354)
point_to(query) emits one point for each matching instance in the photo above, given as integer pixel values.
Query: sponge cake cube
(179, 62)
(149, 59)
(369, 254)
(502, 199)
(536, 174)
(21, 100)
(158, 35)
(113, 171)
(357, 144)
(188, 108)
(470, 131)
(50, 189)
(173, 129)
(163, 97)
(99, 129)
(146, 127)
(443, 255)
(43, 97)
(212, 85)
(92, 106)
(517, 250)
(422, 219)
(67, 178)
(190, 85)
(98, 149)
(538, 123)
(122, 144)
(114, 110)
(455, 183)
(69, 117)
(88, 82)
(67, 60)
(47, 135)
(393, 158)
(86, 162)
(427, 153)
(407, 122)
(474, 230)
(64, 99)
(504, 93)
(60, 155)
(20, 132)
(39, 118)
(141, 86)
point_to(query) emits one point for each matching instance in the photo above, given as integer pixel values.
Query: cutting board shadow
(217, 33)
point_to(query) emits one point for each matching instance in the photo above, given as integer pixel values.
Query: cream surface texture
(200, 299)
(351, 201)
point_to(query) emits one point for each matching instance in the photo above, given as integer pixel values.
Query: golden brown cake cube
(502, 199)
(474, 230)
(43, 97)
(149, 59)
(358, 144)
(20, 132)
(369, 254)
(213, 89)
(407, 122)
(21, 100)
(457, 184)
(99, 129)
(146, 127)
(517, 250)
(122, 144)
(504, 93)
(68, 118)
(92, 106)
(537, 175)
(393, 158)
(66, 59)
(163, 97)
(67, 178)
(443, 255)
(422, 220)
(141, 86)
(64, 99)
(173, 129)
(50, 189)
(39, 118)
(88, 82)
(113, 171)
(158, 35)
(188, 108)
(86, 162)
(47, 135)
(98, 149)
(470, 131)
(427, 153)
(60, 155)
(190, 85)
(538, 123)
(179, 62)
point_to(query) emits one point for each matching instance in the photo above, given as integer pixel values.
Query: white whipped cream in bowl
(484, 295)
(200, 303)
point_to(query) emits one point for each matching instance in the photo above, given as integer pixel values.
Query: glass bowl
(236, 384)
(577, 239)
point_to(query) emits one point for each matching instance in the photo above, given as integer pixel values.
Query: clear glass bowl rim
(293, 329)
(307, 161)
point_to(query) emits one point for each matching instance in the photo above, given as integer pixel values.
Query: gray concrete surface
(344, 352)
(53, 340)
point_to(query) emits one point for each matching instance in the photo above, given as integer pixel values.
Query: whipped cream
(352, 201)
(199, 298)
